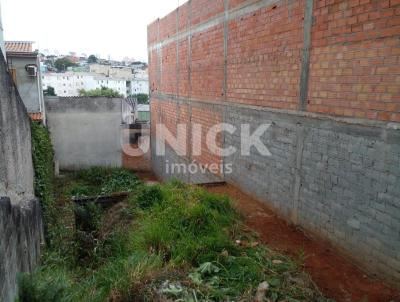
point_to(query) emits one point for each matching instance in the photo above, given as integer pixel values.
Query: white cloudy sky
(107, 27)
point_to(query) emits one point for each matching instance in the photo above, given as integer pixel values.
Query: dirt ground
(336, 276)
(137, 163)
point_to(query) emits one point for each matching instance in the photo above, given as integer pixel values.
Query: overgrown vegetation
(170, 242)
(43, 158)
(97, 181)
(98, 92)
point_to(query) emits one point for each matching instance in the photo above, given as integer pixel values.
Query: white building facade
(70, 83)
(140, 82)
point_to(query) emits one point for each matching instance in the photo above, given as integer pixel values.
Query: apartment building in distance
(140, 82)
(70, 83)
(137, 78)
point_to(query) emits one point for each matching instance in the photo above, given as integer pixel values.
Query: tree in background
(142, 98)
(49, 91)
(103, 91)
(92, 59)
(63, 63)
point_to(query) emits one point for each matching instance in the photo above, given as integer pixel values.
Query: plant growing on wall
(43, 158)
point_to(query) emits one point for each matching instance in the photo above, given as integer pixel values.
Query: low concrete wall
(16, 170)
(20, 214)
(85, 131)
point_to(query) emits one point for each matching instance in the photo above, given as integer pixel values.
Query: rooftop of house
(36, 116)
(19, 46)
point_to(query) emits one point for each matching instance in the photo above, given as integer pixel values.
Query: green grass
(172, 240)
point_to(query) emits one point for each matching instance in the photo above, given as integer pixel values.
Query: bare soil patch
(335, 275)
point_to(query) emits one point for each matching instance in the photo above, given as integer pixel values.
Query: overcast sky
(107, 27)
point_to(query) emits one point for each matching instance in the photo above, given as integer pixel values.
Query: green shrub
(100, 92)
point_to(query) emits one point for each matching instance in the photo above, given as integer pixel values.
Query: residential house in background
(24, 67)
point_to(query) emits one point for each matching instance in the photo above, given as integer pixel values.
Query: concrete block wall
(20, 213)
(21, 236)
(338, 180)
(326, 75)
(85, 131)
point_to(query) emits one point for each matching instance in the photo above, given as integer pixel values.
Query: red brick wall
(169, 114)
(354, 59)
(207, 73)
(168, 69)
(264, 49)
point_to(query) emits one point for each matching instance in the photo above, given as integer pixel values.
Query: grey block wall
(337, 178)
(85, 131)
(163, 167)
(20, 213)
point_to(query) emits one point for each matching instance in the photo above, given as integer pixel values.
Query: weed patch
(170, 242)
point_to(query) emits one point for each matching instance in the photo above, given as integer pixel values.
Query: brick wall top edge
(168, 15)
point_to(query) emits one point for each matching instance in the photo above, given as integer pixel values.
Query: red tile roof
(36, 116)
(18, 46)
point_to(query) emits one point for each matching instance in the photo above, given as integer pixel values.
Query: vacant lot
(170, 242)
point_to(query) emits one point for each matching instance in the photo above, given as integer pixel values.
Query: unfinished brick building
(326, 75)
